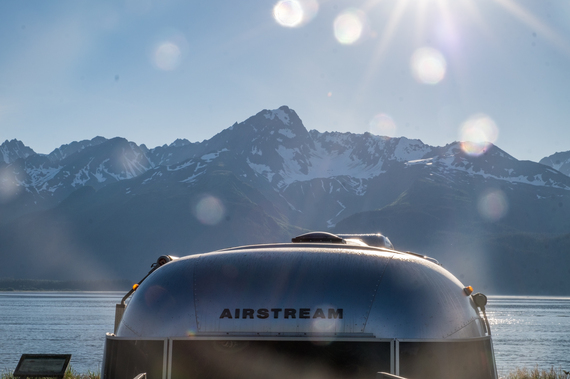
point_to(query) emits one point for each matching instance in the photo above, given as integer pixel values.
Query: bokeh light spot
(477, 134)
(428, 65)
(294, 13)
(310, 9)
(288, 13)
(383, 125)
(493, 205)
(349, 25)
(209, 210)
(9, 187)
(321, 323)
(167, 56)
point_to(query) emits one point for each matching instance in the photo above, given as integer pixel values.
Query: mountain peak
(180, 142)
(66, 150)
(281, 113)
(559, 161)
(14, 149)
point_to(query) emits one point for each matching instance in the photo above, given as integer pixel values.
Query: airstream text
(263, 313)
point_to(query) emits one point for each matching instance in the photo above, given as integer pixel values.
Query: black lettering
(247, 313)
(226, 313)
(276, 312)
(237, 313)
(290, 312)
(319, 313)
(262, 313)
(335, 313)
(304, 313)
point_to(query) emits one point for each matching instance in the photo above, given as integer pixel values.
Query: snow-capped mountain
(262, 180)
(42, 181)
(13, 150)
(272, 151)
(558, 161)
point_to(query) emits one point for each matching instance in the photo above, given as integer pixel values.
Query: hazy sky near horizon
(153, 71)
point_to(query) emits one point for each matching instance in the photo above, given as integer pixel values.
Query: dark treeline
(64, 285)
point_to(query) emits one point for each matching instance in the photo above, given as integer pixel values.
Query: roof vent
(318, 237)
(372, 239)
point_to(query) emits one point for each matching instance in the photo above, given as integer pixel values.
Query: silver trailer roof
(302, 289)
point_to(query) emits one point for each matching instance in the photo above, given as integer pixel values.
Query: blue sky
(154, 71)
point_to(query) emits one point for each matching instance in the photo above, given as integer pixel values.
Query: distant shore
(8, 285)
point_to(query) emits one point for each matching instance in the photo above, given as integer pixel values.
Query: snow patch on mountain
(287, 133)
(323, 163)
(410, 149)
(180, 166)
(261, 169)
(211, 156)
(192, 178)
(449, 163)
(154, 174)
(424, 162)
(39, 176)
(101, 171)
(280, 114)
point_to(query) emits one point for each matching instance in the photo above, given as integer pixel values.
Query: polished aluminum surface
(380, 293)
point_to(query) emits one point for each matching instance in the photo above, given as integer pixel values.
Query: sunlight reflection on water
(530, 331)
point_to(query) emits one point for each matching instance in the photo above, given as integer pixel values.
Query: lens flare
(288, 13)
(477, 134)
(9, 187)
(349, 25)
(167, 56)
(493, 205)
(310, 9)
(324, 324)
(209, 210)
(382, 125)
(428, 65)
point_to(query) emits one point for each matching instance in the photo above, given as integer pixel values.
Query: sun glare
(288, 13)
(477, 134)
(294, 13)
(383, 125)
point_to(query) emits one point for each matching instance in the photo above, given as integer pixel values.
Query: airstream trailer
(323, 306)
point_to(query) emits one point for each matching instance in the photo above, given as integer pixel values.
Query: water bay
(527, 331)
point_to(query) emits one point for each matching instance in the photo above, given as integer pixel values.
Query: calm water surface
(527, 331)
(56, 323)
(530, 331)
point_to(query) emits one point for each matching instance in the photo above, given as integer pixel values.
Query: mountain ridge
(264, 180)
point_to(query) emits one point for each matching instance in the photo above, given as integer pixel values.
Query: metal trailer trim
(165, 353)
(443, 339)
(278, 338)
